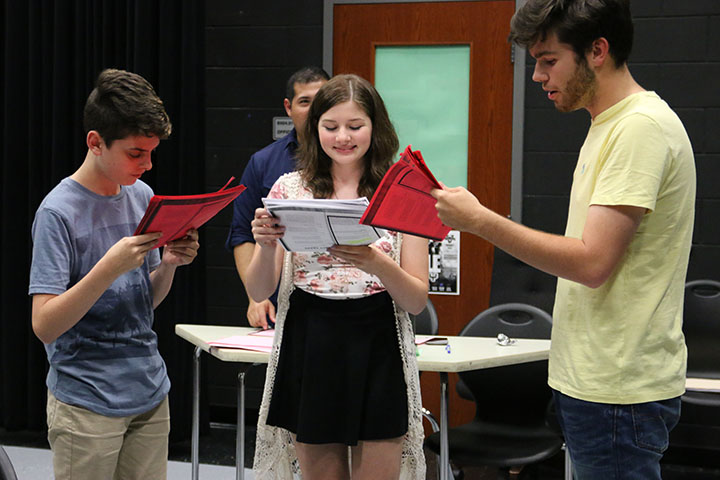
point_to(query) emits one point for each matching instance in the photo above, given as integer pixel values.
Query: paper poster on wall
(444, 260)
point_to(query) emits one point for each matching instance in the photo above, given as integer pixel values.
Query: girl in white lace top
(342, 396)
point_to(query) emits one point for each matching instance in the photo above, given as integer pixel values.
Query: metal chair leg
(436, 428)
(431, 418)
(568, 464)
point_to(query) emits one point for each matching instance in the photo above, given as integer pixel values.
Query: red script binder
(403, 202)
(174, 215)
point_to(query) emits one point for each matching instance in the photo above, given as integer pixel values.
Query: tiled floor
(36, 464)
(219, 447)
(32, 460)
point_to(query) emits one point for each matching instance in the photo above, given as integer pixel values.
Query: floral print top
(323, 274)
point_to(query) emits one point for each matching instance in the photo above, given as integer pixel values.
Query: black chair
(509, 430)
(514, 281)
(701, 326)
(516, 320)
(695, 441)
(7, 472)
(426, 322)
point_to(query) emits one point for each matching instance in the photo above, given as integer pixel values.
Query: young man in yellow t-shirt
(618, 356)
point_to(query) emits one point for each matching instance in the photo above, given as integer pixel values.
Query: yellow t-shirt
(622, 342)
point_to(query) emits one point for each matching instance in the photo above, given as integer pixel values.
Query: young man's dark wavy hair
(123, 104)
(314, 163)
(303, 76)
(578, 23)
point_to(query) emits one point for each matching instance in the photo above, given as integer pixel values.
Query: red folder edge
(418, 160)
(156, 202)
(408, 159)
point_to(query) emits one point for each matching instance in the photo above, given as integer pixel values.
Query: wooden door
(484, 26)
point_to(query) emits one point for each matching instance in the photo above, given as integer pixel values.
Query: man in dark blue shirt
(264, 167)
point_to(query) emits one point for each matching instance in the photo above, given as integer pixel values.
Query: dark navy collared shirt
(263, 169)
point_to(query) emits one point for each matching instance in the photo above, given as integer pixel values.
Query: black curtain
(50, 55)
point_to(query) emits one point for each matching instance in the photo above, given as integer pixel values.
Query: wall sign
(444, 263)
(281, 127)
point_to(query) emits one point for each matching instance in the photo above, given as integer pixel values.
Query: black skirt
(339, 377)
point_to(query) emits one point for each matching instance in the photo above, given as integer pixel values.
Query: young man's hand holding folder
(174, 215)
(403, 202)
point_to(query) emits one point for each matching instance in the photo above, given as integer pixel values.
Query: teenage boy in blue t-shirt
(94, 287)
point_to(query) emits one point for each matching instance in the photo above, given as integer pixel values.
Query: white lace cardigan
(275, 457)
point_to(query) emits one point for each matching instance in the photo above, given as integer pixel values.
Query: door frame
(518, 108)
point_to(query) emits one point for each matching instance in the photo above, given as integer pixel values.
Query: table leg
(195, 441)
(444, 447)
(240, 430)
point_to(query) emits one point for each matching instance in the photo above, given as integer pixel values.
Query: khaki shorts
(87, 445)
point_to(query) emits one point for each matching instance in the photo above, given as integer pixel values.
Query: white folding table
(465, 353)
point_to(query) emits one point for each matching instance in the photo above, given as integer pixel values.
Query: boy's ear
(599, 52)
(94, 142)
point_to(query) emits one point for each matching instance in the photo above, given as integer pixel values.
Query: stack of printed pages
(318, 224)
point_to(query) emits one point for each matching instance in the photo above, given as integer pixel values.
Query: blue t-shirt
(109, 361)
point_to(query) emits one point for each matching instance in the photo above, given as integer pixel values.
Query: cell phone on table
(437, 341)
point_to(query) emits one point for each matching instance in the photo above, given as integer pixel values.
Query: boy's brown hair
(124, 104)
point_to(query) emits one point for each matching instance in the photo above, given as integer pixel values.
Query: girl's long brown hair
(314, 163)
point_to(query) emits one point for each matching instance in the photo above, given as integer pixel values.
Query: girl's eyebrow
(350, 120)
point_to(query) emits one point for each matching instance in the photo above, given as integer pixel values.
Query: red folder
(174, 215)
(403, 202)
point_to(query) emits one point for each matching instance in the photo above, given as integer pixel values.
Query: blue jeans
(613, 442)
